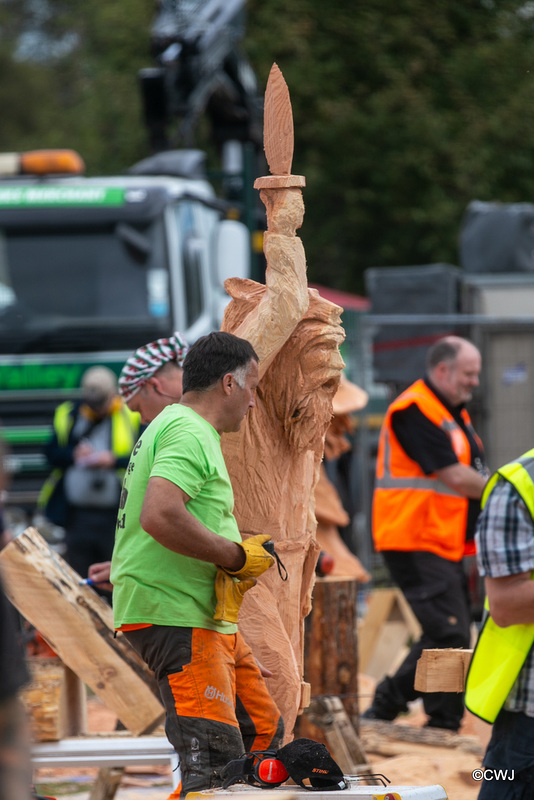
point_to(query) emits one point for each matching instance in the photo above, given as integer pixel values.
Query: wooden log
(55, 699)
(331, 651)
(442, 670)
(107, 783)
(78, 625)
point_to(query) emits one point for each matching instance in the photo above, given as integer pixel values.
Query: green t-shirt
(152, 584)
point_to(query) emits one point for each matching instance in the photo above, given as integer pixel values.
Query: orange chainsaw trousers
(216, 701)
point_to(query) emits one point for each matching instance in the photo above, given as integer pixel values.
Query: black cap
(305, 759)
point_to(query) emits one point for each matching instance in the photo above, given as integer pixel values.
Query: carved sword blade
(278, 139)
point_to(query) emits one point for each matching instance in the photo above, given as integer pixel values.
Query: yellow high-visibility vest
(501, 652)
(124, 431)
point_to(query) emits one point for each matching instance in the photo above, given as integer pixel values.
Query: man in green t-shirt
(180, 570)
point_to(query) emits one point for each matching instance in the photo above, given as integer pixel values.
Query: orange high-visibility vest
(411, 510)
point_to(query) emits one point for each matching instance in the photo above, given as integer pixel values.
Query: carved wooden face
(308, 374)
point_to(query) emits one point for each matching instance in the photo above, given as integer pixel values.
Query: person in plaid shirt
(505, 557)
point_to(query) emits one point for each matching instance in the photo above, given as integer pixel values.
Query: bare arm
(511, 599)
(463, 479)
(165, 517)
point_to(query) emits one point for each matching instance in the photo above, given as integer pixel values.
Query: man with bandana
(150, 380)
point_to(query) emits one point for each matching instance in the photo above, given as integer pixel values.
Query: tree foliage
(404, 111)
(69, 78)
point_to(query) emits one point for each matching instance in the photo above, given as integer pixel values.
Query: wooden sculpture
(274, 460)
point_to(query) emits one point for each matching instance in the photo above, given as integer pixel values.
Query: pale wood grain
(78, 625)
(278, 139)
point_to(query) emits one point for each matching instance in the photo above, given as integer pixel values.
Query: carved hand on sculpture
(285, 210)
(272, 312)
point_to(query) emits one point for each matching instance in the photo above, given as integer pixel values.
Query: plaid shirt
(505, 546)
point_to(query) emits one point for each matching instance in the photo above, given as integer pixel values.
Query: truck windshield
(83, 288)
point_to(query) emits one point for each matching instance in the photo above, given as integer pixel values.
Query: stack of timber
(46, 699)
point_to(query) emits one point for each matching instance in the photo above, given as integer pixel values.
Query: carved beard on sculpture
(306, 407)
(307, 376)
(299, 385)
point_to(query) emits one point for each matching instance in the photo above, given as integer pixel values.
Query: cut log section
(78, 625)
(442, 670)
(342, 740)
(331, 657)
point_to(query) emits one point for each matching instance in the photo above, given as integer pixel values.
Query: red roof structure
(346, 300)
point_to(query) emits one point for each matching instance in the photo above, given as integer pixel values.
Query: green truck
(90, 269)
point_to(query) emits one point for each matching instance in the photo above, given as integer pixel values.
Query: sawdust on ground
(402, 762)
(409, 763)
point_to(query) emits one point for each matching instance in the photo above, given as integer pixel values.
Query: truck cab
(90, 269)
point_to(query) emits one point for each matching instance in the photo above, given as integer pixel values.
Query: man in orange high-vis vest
(430, 475)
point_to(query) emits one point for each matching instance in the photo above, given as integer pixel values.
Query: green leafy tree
(69, 78)
(404, 112)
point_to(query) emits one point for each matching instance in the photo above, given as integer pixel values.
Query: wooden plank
(389, 739)
(387, 627)
(342, 740)
(78, 625)
(378, 610)
(442, 670)
(390, 650)
(73, 705)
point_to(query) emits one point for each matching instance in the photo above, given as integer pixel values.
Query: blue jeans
(511, 747)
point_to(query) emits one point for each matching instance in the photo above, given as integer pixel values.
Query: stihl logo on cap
(322, 771)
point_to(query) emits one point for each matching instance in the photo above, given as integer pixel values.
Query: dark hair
(443, 350)
(213, 356)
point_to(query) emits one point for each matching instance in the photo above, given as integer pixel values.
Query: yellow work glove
(229, 592)
(257, 558)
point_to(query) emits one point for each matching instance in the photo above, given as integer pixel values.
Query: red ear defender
(271, 771)
(260, 768)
